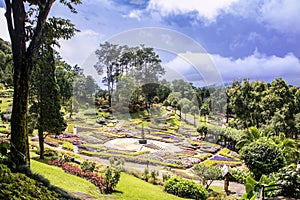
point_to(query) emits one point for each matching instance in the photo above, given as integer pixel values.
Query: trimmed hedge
(185, 188)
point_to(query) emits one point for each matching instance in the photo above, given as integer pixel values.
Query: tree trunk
(19, 133)
(41, 143)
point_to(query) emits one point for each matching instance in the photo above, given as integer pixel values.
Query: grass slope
(59, 178)
(133, 188)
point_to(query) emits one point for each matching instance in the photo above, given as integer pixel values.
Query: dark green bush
(289, 178)
(87, 166)
(185, 188)
(238, 175)
(19, 186)
(262, 157)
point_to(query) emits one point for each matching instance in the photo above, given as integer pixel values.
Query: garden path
(235, 188)
(120, 124)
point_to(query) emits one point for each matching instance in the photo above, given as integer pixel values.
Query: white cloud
(259, 67)
(3, 30)
(135, 14)
(255, 67)
(206, 9)
(281, 15)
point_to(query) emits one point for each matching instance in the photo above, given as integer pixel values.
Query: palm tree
(251, 135)
(289, 148)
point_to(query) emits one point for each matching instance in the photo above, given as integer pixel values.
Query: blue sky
(244, 39)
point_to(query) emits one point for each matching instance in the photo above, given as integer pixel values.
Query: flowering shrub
(55, 163)
(105, 183)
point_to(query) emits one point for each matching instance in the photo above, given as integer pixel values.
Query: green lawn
(59, 178)
(128, 188)
(133, 188)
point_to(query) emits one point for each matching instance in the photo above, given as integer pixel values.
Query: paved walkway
(235, 188)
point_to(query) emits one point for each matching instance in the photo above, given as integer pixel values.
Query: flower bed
(131, 159)
(227, 153)
(169, 137)
(222, 158)
(103, 183)
(221, 163)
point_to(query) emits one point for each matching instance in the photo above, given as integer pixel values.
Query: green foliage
(19, 186)
(262, 157)
(253, 187)
(204, 110)
(260, 104)
(239, 175)
(289, 178)
(207, 174)
(4, 148)
(289, 147)
(111, 179)
(251, 135)
(185, 188)
(87, 166)
(68, 146)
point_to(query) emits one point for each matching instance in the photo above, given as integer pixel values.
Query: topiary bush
(185, 188)
(262, 157)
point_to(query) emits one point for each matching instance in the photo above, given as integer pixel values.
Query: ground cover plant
(19, 186)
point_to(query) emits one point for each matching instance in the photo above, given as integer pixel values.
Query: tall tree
(108, 63)
(26, 21)
(47, 104)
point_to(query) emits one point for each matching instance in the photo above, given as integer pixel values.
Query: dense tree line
(274, 105)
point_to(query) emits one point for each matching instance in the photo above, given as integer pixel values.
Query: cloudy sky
(235, 38)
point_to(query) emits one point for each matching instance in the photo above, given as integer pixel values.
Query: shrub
(238, 175)
(207, 174)
(185, 188)
(68, 146)
(19, 186)
(262, 157)
(289, 178)
(111, 179)
(88, 166)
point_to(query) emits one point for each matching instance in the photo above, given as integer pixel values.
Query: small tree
(204, 110)
(185, 109)
(262, 157)
(195, 111)
(202, 130)
(207, 174)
